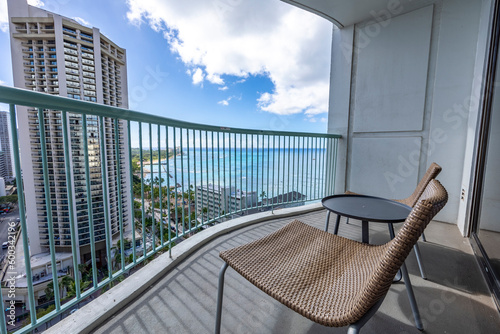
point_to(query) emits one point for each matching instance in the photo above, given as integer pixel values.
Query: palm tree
(86, 272)
(71, 289)
(66, 282)
(49, 291)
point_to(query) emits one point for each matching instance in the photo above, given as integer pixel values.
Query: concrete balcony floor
(454, 299)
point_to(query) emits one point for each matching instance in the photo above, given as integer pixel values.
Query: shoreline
(148, 162)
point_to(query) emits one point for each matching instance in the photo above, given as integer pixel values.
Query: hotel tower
(57, 55)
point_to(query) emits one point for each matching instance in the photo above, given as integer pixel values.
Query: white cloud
(198, 76)
(244, 37)
(223, 88)
(215, 79)
(83, 22)
(2, 82)
(36, 3)
(4, 15)
(226, 101)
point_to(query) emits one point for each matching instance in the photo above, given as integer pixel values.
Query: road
(4, 225)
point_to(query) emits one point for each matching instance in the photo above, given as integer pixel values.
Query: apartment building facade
(6, 170)
(240, 200)
(57, 55)
(213, 201)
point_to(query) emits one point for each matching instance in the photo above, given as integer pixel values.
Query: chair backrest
(431, 173)
(432, 200)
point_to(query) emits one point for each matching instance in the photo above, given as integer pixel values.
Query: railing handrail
(17, 96)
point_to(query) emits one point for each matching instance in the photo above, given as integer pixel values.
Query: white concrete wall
(400, 96)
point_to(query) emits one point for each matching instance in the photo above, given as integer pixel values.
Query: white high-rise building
(5, 153)
(241, 200)
(212, 200)
(56, 55)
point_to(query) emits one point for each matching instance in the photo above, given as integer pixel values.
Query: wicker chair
(431, 173)
(329, 279)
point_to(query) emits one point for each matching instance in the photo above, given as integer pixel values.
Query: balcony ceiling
(344, 13)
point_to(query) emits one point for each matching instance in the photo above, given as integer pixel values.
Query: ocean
(273, 171)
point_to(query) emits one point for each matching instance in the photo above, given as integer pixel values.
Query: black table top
(368, 208)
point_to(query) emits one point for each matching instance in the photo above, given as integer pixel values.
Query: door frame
(480, 160)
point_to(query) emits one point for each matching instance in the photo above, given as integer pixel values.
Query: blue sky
(257, 64)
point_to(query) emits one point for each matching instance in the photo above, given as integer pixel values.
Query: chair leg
(355, 328)
(411, 297)
(327, 220)
(419, 261)
(423, 237)
(220, 294)
(337, 223)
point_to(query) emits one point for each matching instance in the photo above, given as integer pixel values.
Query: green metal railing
(147, 183)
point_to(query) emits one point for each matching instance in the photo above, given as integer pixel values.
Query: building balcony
(118, 176)
(385, 146)
(186, 285)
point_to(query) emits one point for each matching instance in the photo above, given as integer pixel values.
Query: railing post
(152, 185)
(143, 216)
(119, 190)
(48, 208)
(22, 212)
(169, 215)
(89, 201)
(160, 184)
(69, 189)
(132, 198)
(105, 195)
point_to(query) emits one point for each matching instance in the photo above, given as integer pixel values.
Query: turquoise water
(273, 171)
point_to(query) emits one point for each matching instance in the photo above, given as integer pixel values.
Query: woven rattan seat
(329, 279)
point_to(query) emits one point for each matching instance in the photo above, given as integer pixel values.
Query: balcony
(400, 98)
(273, 157)
(189, 266)
(186, 285)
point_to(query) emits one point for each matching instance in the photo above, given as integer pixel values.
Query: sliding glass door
(485, 208)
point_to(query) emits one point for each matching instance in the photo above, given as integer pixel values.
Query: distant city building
(2, 187)
(241, 200)
(5, 151)
(212, 200)
(286, 200)
(56, 55)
